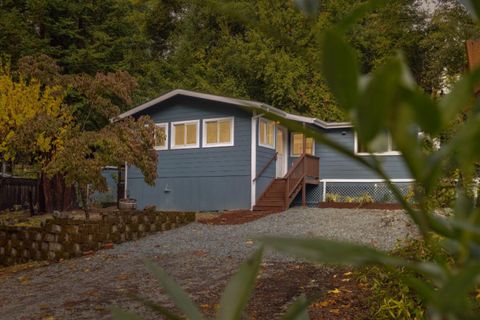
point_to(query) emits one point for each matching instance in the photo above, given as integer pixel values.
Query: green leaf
(158, 309)
(378, 99)
(179, 297)
(118, 314)
(460, 97)
(308, 7)
(298, 310)
(427, 112)
(340, 68)
(239, 289)
(329, 251)
(473, 7)
(453, 296)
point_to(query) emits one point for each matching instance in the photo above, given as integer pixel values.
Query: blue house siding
(199, 179)
(110, 196)
(264, 155)
(334, 165)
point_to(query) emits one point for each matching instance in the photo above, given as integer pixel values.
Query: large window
(218, 132)
(266, 133)
(297, 145)
(160, 134)
(381, 145)
(185, 134)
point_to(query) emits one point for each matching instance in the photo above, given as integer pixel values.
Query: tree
(38, 128)
(81, 160)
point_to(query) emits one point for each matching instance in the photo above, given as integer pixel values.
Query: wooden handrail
(266, 166)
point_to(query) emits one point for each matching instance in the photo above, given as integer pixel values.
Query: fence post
(324, 190)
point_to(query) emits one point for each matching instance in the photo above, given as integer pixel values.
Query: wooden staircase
(278, 196)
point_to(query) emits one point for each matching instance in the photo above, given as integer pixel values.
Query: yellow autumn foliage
(22, 105)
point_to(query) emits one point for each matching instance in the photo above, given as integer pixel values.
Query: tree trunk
(55, 195)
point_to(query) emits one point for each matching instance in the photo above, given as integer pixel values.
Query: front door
(282, 154)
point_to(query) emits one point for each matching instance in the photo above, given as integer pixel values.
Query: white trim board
(253, 164)
(255, 105)
(367, 180)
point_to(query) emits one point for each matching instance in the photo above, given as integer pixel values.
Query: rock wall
(65, 238)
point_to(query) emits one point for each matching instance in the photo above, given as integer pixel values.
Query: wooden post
(473, 56)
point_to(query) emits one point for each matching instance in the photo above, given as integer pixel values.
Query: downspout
(253, 169)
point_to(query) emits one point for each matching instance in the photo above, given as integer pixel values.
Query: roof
(238, 102)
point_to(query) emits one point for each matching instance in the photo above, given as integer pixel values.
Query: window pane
(191, 133)
(297, 148)
(225, 131)
(212, 132)
(160, 135)
(271, 133)
(179, 134)
(263, 129)
(380, 143)
(309, 146)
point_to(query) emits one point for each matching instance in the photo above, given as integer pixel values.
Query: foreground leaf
(179, 297)
(239, 289)
(340, 69)
(298, 310)
(330, 252)
(118, 314)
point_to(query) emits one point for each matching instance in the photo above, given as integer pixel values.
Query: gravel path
(200, 257)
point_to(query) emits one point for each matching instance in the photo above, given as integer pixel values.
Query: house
(223, 153)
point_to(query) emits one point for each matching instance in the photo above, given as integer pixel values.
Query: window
(267, 133)
(297, 145)
(185, 134)
(381, 145)
(218, 132)
(160, 135)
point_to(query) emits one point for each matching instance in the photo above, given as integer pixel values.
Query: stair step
(267, 208)
(268, 202)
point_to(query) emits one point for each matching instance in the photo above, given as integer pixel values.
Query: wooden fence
(17, 191)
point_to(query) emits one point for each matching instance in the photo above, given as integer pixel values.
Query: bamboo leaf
(308, 7)
(239, 289)
(118, 314)
(473, 7)
(329, 251)
(340, 69)
(179, 297)
(298, 310)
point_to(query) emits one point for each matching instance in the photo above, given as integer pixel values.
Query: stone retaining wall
(60, 238)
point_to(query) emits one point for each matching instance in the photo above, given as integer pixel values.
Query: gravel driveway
(200, 257)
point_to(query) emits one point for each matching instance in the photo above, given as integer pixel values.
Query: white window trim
(214, 145)
(163, 124)
(274, 134)
(291, 145)
(387, 153)
(192, 146)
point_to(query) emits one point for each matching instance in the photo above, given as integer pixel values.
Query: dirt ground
(334, 293)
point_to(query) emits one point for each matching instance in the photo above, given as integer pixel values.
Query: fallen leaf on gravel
(334, 291)
(23, 280)
(250, 242)
(122, 277)
(347, 273)
(200, 253)
(323, 304)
